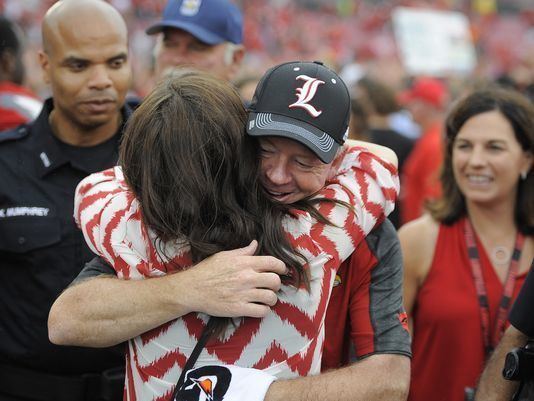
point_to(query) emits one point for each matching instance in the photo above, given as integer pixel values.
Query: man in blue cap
(205, 34)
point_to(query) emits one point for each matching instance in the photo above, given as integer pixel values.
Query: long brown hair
(186, 157)
(519, 112)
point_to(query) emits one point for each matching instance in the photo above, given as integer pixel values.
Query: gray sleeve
(96, 267)
(386, 310)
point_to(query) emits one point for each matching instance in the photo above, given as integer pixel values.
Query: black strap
(204, 337)
(491, 339)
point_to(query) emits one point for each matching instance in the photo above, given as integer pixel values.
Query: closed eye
(266, 151)
(303, 164)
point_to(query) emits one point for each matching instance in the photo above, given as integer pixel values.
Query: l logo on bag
(306, 94)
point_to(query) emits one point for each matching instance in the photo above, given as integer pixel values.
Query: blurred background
(457, 40)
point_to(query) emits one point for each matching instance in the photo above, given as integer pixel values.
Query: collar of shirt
(46, 147)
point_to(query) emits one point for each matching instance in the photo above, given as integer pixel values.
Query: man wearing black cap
(300, 115)
(297, 150)
(205, 34)
(274, 112)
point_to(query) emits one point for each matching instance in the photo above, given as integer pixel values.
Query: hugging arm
(100, 310)
(251, 282)
(379, 151)
(378, 377)
(114, 310)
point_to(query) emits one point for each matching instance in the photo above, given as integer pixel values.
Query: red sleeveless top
(448, 349)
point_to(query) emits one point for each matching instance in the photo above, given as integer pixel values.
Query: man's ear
(7, 65)
(332, 170)
(44, 61)
(336, 163)
(238, 55)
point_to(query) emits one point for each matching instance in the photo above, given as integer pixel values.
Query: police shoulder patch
(15, 133)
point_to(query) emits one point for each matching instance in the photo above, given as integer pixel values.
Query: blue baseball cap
(210, 21)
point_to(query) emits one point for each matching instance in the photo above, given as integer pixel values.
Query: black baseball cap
(303, 101)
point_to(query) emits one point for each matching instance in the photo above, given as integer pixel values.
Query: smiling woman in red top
(465, 262)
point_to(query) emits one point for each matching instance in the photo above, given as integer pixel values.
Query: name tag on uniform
(24, 211)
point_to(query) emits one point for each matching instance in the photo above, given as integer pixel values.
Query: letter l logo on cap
(306, 94)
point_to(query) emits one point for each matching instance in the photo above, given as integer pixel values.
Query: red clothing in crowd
(448, 349)
(18, 105)
(420, 178)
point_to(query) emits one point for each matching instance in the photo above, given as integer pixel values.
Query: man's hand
(375, 378)
(233, 283)
(105, 311)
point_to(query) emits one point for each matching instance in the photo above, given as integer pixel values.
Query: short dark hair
(519, 112)
(380, 96)
(359, 120)
(9, 36)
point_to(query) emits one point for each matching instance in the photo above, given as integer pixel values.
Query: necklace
(500, 255)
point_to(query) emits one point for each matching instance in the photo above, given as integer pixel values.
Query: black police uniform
(520, 362)
(41, 252)
(521, 313)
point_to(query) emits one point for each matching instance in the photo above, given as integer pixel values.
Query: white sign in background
(433, 42)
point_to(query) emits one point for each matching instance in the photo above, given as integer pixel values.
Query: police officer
(85, 61)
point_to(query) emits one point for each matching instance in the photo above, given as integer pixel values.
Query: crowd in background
(338, 32)
(465, 158)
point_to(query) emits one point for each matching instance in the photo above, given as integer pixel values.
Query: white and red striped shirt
(285, 343)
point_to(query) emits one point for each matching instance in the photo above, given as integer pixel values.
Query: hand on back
(234, 283)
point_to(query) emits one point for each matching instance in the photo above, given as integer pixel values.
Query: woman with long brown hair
(466, 261)
(191, 189)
